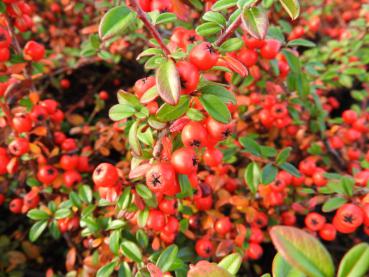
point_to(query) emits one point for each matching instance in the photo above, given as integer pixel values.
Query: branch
(158, 147)
(151, 28)
(232, 28)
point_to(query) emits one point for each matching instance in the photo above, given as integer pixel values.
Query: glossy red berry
(15, 206)
(328, 232)
(315, 221)
(71, 178)
(168, 206)
(223, 226)
(4, 54)
(47, 174)
(189, 76)
(204, 248)
(212, 157)
(160, 177)
(69, 162)
(194, 134)
(271, 49)
(22, 122)
(203, 56)
(105, 175)
(142, 85)
(19, 146)
(348, 217)
(5, 39)
(248, 57)
(33, 51)
(254, 251)
(31, 200)
(218, 130)
(184, 160)
(156, 220)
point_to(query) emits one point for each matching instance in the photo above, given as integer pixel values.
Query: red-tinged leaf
(302, 251)
(150, 95)
(139, 171)
(206, 269)
(178, 125)
(255, 21)
(168, 82)
(71, 259)
(235, 65)
(224, 248)
(292, 7)
(154, 270)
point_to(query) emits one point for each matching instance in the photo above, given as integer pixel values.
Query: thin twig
(151, 28)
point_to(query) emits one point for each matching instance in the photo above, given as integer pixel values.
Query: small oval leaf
(303, 251)
(255, 21)
(168, 83)
(231, 263)
(292, 7)
(355, 262)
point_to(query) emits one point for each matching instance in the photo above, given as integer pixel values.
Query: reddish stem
(229, 31)
(151, 28)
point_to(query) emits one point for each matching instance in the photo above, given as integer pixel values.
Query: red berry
(105, 175)
(348, 217)
(156, 220)
(4, 54)
(204, 248)
(5, 39)
(248, 57)
(15, 206)
(33, 51)
(314, 221)
(19, 146)
(203, 56)
(254, 252)
(218, 130)
(184, 160)
(271, 49)
(223, 226)
(47, 174)
(328, 232)
(22, 122)
(142, 85)
(160, 177)
(71, 178)
(194, 134)
(168, 206)
(189, 76)
(213, 157)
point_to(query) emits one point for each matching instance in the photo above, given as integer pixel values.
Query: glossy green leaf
(133, 138)
(221, 92)
(116, 21)
(114, 241)
(167, 258)
(215, 17)
(333, 204)
(223, 4)
(131, 250)
(106, 270)
(355, 262)
(292, 7)
(208, 29)
(252, 176)
(255, 21)
(290, 168)
(169, 113)
(144, 191)
(168, 83)
(62, 213)
(37, 214)
(37, 229)
(269, 173)
(165, 18)
(121, 111)
(232, 44)
(301, 42)
(85, 193)
(283, 155)
(303, 251)
(231, 263)
(150, 95)
(280, 268)
(216, 108)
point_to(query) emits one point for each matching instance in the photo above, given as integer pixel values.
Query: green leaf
(281, 268)
(303, 251)
(131, 250)
(355, 262)
(142, 217)
(292, 7)
(114, 241)
(125, 199)
(116, 21)
(168, 83)
(167, 258)
(251, 146)
(223, 5)
(269, 173)
(116, 224)
(106, 270)
(37, 214)
(85, 193)
(208, 29)
(333, 204)
(128, 99)
(301, 42)
(232, 44)
(221, 92)
(290, 168)
(37, 229)
(150, 95)
(255, 21)
(133, 138)
(215, 17)
(144, 191)
(195, 115)
(121, 111)
(186, 188)
(165, 18)
(142, 238)
(252, 176)
(216, 108)
(168, 112)
(62, 213)
(283, 155)
(231, 263)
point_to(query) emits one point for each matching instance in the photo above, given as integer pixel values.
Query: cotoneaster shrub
(244, 124)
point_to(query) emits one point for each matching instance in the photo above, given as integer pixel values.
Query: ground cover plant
(184, 138)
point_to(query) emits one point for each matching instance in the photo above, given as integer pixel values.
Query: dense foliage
(184, 138)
